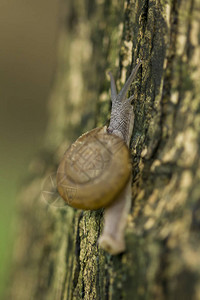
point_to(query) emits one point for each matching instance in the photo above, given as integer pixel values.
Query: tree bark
(56, 254)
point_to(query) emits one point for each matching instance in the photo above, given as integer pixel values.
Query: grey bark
(56, 254)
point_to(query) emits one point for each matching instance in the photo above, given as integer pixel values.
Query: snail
(95, 171)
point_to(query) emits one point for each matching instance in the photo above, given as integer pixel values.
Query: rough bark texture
(56, 254)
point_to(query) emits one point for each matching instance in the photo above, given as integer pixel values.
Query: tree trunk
(56, 254)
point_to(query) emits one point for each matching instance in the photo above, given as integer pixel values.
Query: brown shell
(94, 170)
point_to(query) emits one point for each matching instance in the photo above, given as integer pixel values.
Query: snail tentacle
(122, 94)
(113, 87)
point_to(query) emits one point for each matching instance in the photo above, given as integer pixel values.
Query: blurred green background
(28, 37)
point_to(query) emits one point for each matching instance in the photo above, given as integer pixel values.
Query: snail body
(95, 171)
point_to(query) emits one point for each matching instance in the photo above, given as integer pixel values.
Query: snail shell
(94, 170)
